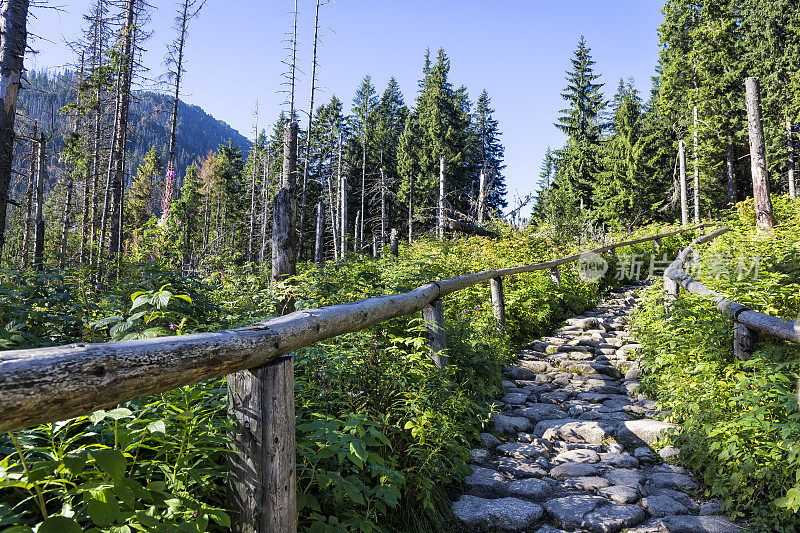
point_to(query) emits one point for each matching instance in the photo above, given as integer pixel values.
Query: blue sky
(517, 50)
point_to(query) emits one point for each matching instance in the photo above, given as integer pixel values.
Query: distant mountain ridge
(198, 131)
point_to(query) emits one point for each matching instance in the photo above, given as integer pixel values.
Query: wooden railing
(746, 322)
(51, 384)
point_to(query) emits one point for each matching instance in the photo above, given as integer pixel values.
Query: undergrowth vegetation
(740, 419)
(382, 436)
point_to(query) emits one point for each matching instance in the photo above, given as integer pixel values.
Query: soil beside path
(576, 454)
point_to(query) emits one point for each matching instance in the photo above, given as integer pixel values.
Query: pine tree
(142, 194)
(490, 152)
(581, 121)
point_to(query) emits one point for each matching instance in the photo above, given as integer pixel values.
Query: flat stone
(514, 398)
(669, 452)
(566, 470)
(479, 455)
(576, 456)
(643, 453)
(549, 529)
(538, 367)
(489, 440)
(660, 506)
(679, 497)
(518, 372)
(510, 425)
(556, 396)
(572, 430)
(619, 460)
(593, 513)
(532, 488)
(486, 482)
(584, 323)
(711, 507)
(541, 411)
(620, 494)
(625, 476)
(509, 514)
(634, 372)
(699, 524)
(673, 481)
(523, 450)
(592, 483)
(519, 468)
(643, 431)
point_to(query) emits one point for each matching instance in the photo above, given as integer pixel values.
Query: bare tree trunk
(332, 213)
(684, 195)
(38, 246)
(790, 154)
(729, 166)
(65, 220)
(251, 236)
(13, 39)
(342, 202)
(26, 235)
(758, 157)
(356, 239)
(318, 244)
(696, 156)
(440, 213)
(482, 197)
(393, 247)
(410, 207)
(284, 215)
(383, 206)
(308, 134)
(265, 205)
(360, 229)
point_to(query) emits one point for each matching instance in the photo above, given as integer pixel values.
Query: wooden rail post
(555, 276)
(744, 341)
(263, 464)
(758, 157)
(433, 314)
(498, 302)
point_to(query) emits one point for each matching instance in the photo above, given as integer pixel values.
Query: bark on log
(498, 302)
(437, 338)
(758, 157)
(684, 194)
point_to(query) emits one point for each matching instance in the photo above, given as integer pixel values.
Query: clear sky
(518, 50)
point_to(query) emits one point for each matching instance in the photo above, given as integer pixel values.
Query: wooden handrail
(49, 384)
(747, 320)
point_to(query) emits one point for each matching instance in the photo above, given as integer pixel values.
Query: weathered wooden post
(744, 341)
(758, 157)
(684, 194)
(790, 154)
(555, 276)
(440, 211)
(261, 400)
(498, 302)
(393, 245)
(433, 314)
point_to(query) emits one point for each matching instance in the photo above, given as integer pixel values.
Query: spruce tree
(490, 152)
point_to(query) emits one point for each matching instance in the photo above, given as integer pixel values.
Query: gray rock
(592, 483)
(625, 476)
(479, 455)
(615, 447)
(539, 367)
(643, 453)
(541, 411)
(643, 431)
(660, 506)
(509, 514)
(549, 529)
(672, 481)
(699, 524)
(620, 494)
(566, 470)
(489, 440)
(510, 425)
(518, 372)
(519, 468)
(486, 482)
(514, 398)
(634, 372)
(593, 513)
(571, 430)
(669, 452)
(523, 450)
(619, 460)
(584, 323)
(532, 488)
(678, 496)
(711, 507)
(576, 456)
(508, 384)
(558, 396)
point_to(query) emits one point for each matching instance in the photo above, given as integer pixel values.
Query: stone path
(576, 454)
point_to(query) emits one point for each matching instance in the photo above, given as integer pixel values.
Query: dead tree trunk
(410, 207)
(696, 156)
(261, 399)
(440, 226)
(38, 246)
(393, 245)
(65, 220)
(729, 166)
(383, 205)
(684, 195)
(758, 157)
(318, 244)
(13, 39)
(26, 235)
(265, 186)
(251, 235)
(790, 154)
(481, 197)
(356, 238)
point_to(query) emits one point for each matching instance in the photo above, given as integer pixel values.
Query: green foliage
(741, 425)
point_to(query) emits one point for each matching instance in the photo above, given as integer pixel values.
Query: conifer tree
(490, 152)
(142, 194)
